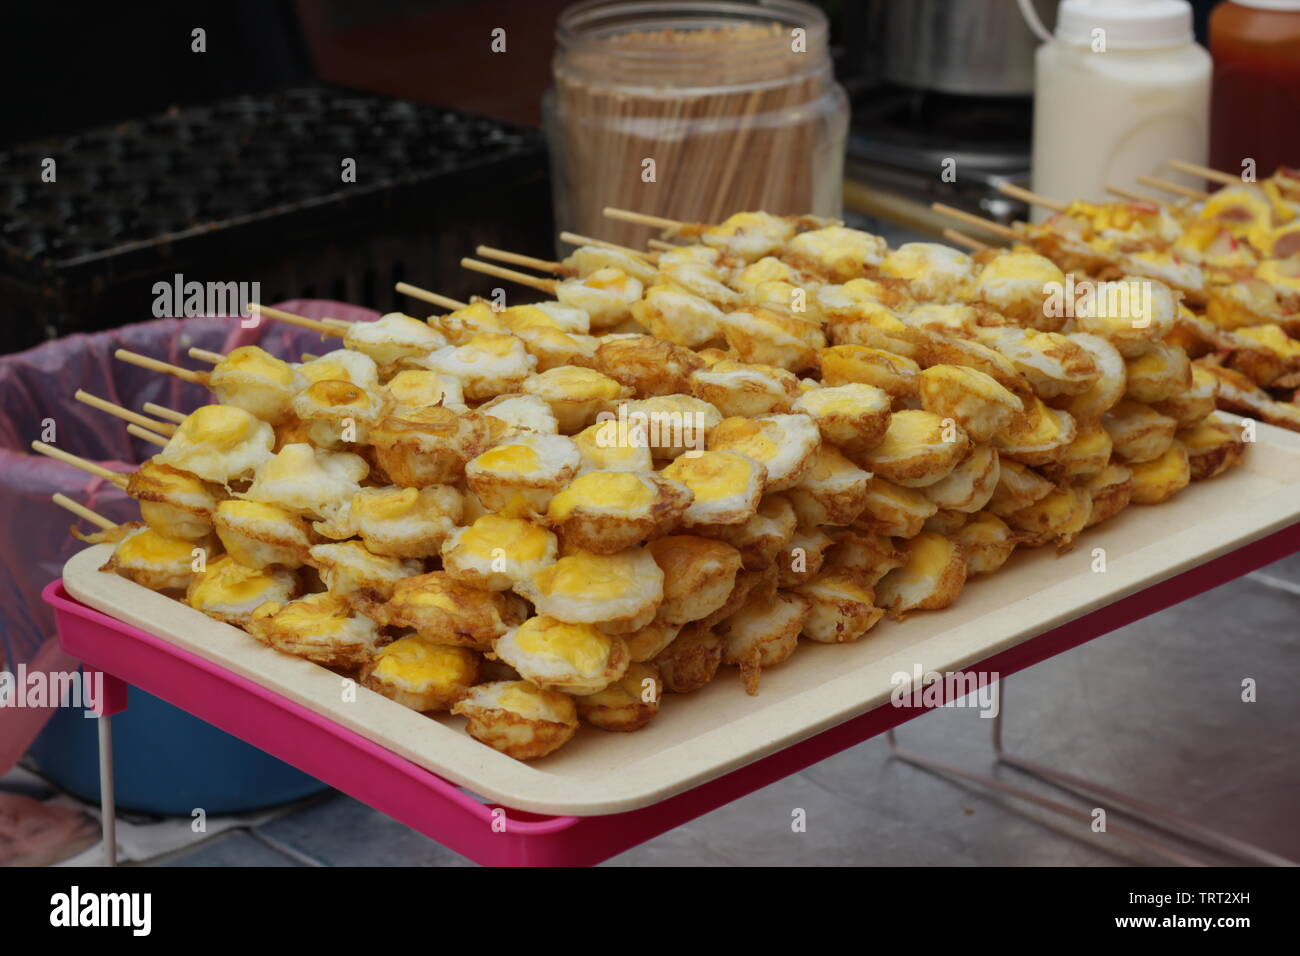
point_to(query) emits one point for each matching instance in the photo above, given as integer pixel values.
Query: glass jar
(692, 111)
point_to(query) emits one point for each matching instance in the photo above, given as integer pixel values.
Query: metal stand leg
(107, 807)
(1143, 810)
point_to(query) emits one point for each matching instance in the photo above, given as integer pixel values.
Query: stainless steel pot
(979, 47)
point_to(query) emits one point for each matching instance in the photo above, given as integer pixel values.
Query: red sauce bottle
(1255, 101)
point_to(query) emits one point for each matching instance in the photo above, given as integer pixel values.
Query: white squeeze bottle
(1121, 87)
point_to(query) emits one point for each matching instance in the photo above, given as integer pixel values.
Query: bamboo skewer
(1130, 195)
(528, 262)
(203, 355)
(1175, 188)
(76, 461)
(433, 298)
(162, 411)
(573, 239)
(533, 282)
(1205, 172)
(155, 365)
(988, 225)
(961, 239)
(662, 245)
(81, 511)
(1032, 198)
(279, 315)
(642, 219)
(117, 411)
(152, 437)
(337, 323)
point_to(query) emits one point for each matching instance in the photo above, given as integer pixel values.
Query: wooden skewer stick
(528, 262)
(573, 239)
(1130, 195)
(162, 411)
(337, 323)
(961, 239)
(279, 315)
(81, 511)
(1033, 198)
(99, 471)
(642, 219)
(117, 411)
(154, 365)
(433, 298)
(487, 268)
(988, 225)
(147, 435)
(662, 245)
(1169, 187)
(1205, 172)
(203, 355)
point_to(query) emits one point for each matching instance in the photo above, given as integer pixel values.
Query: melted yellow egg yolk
(476, 315)
(385, 504)
(713, 475)
(222, 425)
(765, 270)
(619, 491)
(317, 614)
(255, 361)
(430, 594)
(909, 431)
(166, 479)
(527, 317)
(1205, 436)
(518, 539)
(1038, 425)
(581, 646)
(746, 437)
(493, 344)
(609, 448)
(325, 371)
(149, 547)
(417, 661)
(416, 388)
(592, 577)
(526, 700)
(252, 511)
(1272, 338)
(1092, 440)
(226, 581)
(581, 384)
(928, 554)
(510, 460)
(297, 460)
(829, 462)
(333, 392)
(1023, 266)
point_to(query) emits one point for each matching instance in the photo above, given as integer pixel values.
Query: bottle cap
(1127, 24)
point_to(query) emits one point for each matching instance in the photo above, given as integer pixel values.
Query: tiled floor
(1154, 709)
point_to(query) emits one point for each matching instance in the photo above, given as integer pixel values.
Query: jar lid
(1127, 24)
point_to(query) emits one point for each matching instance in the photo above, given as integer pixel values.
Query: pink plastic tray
(500, 836)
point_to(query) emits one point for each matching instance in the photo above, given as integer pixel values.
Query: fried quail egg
(699, 279)
(1131, 313)
(518, 718)
(1110, 386)
(319, 627)
(670, 425)
(521, 474)
(1088, 454)
(931, 577)
(783, 444)
(691, 660)
(342, 365)
(1017, 285)
(761, 537)
(619, 593)
(609, 446)
(348, 569)
(463, 324)
(976, 401)
(495, 553)
(173, 503)
(737, 389)
(1052, 363)
(487, 363)
(970, 485)
(678, 316)
(831, 491)
(1139, 432)
(842, 607)
(429, 446)
(749, 235)
(767, 269)
(647, 365)
(445, 611)
(918, 449)
(950, 319)
(558, 655)
(854, 415)
(338, 413)
(764, 337)
(726, 485)
(230, 592)
(847, 364)
(412, 389)
(699, 574)
(606, 295)
(1161, 478)
(1039, 437)
(869, 556)
(1059, 515)
(836, 252)
(934, 271)
(219, 443)
(626, 705)
(1160, 373)
(987, 542)
(152, 561)
(1110, 490)
(877, 327)
(609, 511)
(574, 395)
(801, 560)
(400, 522)
(1213, 446)
(310, 482)
(894, 510)
(763, 634)
(645, 643)
(258, 535)
(256, 381)
(1018, 487)
(522, 413)
(421, 675)
(393, 338)
(588, 259)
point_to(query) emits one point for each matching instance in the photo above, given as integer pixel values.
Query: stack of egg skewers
(809, 432)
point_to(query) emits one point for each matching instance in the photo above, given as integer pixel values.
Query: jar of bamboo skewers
(691, 111)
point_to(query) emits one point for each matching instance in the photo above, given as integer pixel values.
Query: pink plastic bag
(36, 389)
